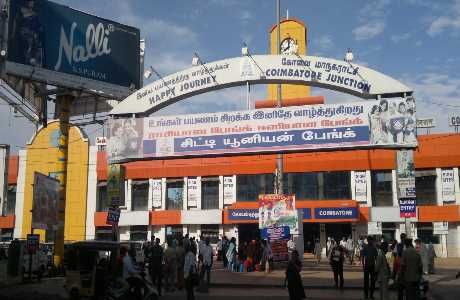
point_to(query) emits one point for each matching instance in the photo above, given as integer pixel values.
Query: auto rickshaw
(90, 265)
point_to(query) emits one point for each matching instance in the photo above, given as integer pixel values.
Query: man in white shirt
(206, 252)
(130, 272)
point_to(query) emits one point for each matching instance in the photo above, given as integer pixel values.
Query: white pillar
(457, 186)
(438, 186)
(185, 194)
(369, 187)
(163, 194)
(129, 187)
(91, 194)
(394, 186)
(150, 195)
(221, 192)
(20, 185)
(353, 185)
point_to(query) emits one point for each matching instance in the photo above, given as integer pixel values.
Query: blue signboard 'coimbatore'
(262, 69)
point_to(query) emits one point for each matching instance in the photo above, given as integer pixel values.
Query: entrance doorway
(248, 232)
(310, 233)
(338, 230)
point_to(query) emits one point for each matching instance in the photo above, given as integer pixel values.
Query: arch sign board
(261, 69)
(384, 123)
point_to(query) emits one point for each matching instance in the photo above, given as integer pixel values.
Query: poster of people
(393, 122)
(278, 210)
(405, 173)
(45, 210)
(388, 123)
(125, 138)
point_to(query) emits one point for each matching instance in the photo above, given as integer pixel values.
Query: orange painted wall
(449, 213)
(7, 221)
(165, 217)
(436, 150)
(13, 166)
(99, 219)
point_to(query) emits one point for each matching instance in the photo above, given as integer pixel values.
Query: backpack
(336, 255)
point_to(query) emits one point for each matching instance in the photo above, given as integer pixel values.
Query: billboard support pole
(279, 156)
(64, 102)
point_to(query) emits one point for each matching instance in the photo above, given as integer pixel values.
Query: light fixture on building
(349, 56)
(148, 73)
(195, 60)
(244, 50)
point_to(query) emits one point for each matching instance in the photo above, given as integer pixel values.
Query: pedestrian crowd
(249, 256)
(181, 263)
(403, 263)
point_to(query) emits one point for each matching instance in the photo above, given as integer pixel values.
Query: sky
(414, 41)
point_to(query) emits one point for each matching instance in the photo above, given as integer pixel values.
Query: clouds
(372, 20)
(435, 93)
(368, 30)
(397, 38)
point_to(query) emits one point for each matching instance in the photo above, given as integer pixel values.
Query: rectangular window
(211, 232)
(138, 233)
(11, 200)
(318, 185)
(210, 193)
(102, 198)
(174, 194)
(249, 187)
(382, 188)
(139, 195)
(336, 185)
(425, 233)
(425, 187)
(174, 232)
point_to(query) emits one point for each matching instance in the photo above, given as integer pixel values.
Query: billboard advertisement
(405, 173)
(61, 46)
(278, 210)
(45, 210)
(384, 123)
(116, 185)
(361, 186)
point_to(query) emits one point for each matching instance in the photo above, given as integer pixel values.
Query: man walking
(337, 256)
(368, 261)
(156, 264)
(411, 270)
(206, 252)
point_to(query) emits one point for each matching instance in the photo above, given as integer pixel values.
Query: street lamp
(349, 56)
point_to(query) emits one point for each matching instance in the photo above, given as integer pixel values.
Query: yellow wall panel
(297, 31)
(43, 157)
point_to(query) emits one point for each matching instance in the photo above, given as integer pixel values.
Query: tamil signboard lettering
(405, 173)
(336, 213)
(310, 70)
(278, 210)
(454, 120)
(229, 190)
(61, 46)
(448, 185)
(426, 123)
(113, 216)
(243, 214)
(193, 192)
(116, 184)
(45, 210)
(275, 233)
(360, 186)
(440, 227)
(385, 123)
(156, 192)
(407, 207)
(101, 141)
(280, 250)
